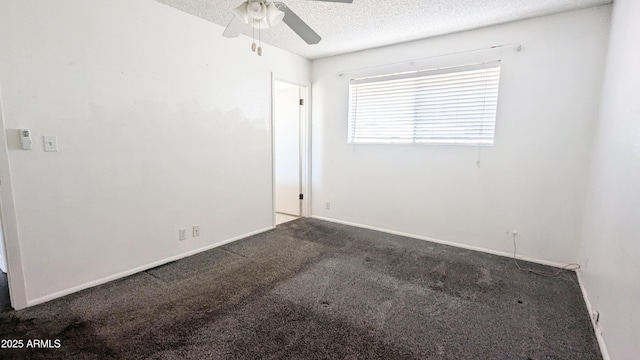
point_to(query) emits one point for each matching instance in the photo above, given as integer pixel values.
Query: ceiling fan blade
(234, 28)
(298, 25)
(340, 1)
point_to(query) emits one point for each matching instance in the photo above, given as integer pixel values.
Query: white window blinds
(444, 106)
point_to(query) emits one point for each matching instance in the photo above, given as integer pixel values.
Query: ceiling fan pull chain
(259, 40)
(253, 36)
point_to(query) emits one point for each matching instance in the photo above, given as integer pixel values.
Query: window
(444, 106)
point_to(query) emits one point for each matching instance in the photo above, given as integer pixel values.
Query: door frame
(15, 271)
(305, 144)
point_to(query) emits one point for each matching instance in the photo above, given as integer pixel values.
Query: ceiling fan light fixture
(242, 12)
(274, 15)
(257, 9)
(262, 14)
(261, 24)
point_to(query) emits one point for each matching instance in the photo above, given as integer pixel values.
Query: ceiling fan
(262, 14)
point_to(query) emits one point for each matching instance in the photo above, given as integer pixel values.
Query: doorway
(289, 150)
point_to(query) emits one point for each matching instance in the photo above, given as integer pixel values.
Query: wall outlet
(595, 316)
(327, 205)
(182, 234)
(196, 230)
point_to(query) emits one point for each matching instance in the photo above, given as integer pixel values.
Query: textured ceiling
(366, 24)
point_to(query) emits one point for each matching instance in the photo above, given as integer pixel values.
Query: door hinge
(301, 197)
(301, 101)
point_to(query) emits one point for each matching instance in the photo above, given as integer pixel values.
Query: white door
(287, 148)
(3, 259)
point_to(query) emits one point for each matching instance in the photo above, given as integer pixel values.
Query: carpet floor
(317, 290)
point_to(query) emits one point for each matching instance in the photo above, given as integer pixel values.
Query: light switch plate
(50, 143)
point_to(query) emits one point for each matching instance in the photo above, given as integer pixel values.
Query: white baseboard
(596, 327)
(444, 242)
(107, 279)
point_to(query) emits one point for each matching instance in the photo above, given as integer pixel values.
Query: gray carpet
(317, 290)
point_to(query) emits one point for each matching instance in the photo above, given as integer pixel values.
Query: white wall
(611, 229)
(161, 123)
(532, 180)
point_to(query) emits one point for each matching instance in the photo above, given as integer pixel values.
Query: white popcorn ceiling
(366, 24)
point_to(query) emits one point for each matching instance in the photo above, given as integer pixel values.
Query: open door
(5, 302)
(3, 257)
(288, 115)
